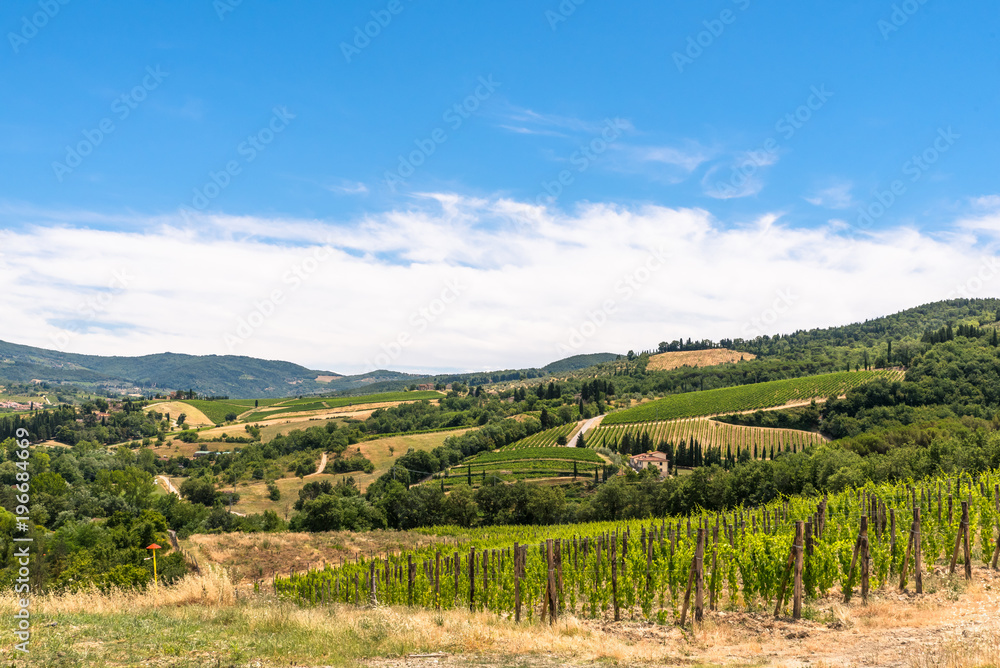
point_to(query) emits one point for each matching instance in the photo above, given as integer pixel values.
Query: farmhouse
(657, 459)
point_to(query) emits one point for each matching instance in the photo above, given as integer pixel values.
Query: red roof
(650, 457)
(154, 546)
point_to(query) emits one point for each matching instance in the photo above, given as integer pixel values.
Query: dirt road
(320, 468)
(587, 426)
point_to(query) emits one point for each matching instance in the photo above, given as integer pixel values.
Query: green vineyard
(660, 570)
(748, 397)
(708, 433)
(544, 439)
(524, 463)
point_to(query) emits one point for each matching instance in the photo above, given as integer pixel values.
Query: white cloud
(523, 279)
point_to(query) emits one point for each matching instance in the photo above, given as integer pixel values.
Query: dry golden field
(673, 360)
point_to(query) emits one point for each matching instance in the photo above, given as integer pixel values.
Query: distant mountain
(237, 377)
(218, 375)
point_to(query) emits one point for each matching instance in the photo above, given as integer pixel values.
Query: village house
(657, 459)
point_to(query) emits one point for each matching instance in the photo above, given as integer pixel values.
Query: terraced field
(708, 433)
(524, 464)
(748, 397)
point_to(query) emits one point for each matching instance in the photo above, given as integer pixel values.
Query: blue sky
(311, 129)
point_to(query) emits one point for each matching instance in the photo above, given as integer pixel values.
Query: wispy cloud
(741, 176)
(720, 182)
(344, 187)
(672, 164)
(837, 196)
(527, 121)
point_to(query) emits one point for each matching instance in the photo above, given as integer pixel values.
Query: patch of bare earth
(679, 358)
(955, 626)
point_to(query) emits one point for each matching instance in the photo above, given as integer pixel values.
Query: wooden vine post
(614, 575)
(472, 579)
(695, 581)
(517, 583)
(996, 501)
(799, 563)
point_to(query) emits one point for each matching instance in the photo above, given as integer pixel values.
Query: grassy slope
(378, 451)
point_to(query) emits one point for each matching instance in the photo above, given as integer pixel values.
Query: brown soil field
(674, 360)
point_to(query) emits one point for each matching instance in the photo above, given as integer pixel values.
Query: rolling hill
(237, 377)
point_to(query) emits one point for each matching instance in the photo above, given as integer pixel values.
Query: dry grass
(254, 495)
(666, 361)
(213, 588)
(255, 556)
(193, 416)
(207, 621)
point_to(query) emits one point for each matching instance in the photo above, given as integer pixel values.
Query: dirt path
(167, 485)
(587, 426)
(320, 468)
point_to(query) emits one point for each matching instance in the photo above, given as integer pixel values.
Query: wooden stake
(966, 550)
(472, 579)
(918, 574)
(699, 576)
(797, 591)
(614, 576)
(864, 560)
